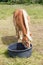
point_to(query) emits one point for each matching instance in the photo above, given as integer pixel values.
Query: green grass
(7, 33)
(36, 10)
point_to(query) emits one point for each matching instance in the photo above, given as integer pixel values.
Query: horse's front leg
(20, 36)
(17, 31)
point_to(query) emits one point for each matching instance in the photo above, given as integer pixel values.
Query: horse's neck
(26, 24)
(25, 15)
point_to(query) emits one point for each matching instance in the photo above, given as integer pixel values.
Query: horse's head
(27, 40)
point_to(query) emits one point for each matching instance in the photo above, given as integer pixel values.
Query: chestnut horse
(21, 21)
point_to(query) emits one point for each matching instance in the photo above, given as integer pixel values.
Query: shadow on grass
(6, 53)
(9, 39)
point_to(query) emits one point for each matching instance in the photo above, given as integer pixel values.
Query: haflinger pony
(21, 21)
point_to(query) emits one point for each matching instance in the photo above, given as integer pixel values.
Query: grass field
(7, 33)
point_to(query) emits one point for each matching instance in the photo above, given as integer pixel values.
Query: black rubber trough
(18, 49)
